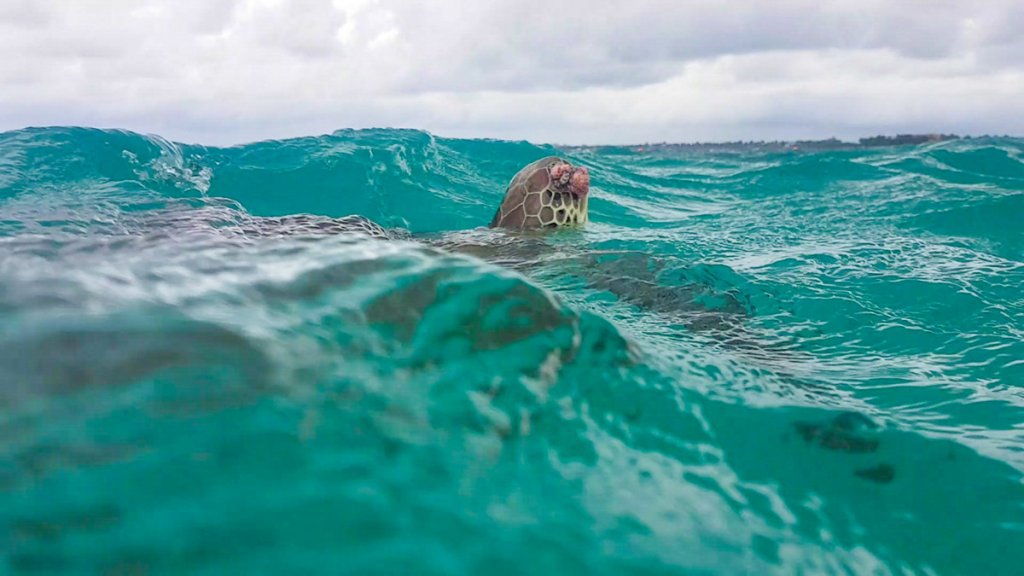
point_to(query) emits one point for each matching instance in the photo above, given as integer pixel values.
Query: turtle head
(548, 193)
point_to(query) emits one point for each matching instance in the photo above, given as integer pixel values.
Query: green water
(748, 362)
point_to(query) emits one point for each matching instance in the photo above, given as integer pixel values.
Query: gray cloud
(222, 71)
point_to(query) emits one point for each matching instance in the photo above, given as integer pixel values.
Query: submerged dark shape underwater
(747, 362)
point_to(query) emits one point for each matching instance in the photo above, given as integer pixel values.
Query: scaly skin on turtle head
(548, 193)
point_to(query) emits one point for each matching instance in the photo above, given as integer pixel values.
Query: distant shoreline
(781, 145)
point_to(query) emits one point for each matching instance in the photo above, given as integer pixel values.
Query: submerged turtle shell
(534, 199)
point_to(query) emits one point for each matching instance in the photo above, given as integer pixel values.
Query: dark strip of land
(779, 145)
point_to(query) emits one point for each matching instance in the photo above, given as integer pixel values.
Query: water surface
(748, 362)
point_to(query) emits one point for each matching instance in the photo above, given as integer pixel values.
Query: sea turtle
(547, 193)
(551, 193)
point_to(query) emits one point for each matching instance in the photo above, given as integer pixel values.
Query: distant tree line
(905, 139)
(778, 145)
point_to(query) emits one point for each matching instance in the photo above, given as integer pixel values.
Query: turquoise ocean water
(748, 361)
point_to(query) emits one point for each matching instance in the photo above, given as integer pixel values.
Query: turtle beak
(579, 182)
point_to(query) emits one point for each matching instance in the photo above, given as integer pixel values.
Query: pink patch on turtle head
(558, 171)
(579, 182)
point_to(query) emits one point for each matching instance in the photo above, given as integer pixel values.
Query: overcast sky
(576, 71)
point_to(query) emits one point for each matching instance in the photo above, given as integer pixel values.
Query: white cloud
(221, 71)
